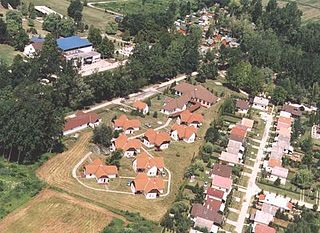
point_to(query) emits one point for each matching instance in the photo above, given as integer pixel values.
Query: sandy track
(58, 173)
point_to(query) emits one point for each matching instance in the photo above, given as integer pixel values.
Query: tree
(106, 48)
(115, 158)
(3, 32)
(256, 11)
(191, 54)
(208, 148)
(58, 26)
(228, 106)
(212, 135)
(102, 135)
(303, 178)
(94, 36)
(111, 28)
(279, 95)
(271, 6)
(306, 145)
(50, 57)
(277, 182)
(75, 10)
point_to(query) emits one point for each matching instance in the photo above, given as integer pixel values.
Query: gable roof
(100, 170)
(291, 109)
(238, 133)
(215, 193)
(280, 172)
(221, 170)
(184, 131)
(172, 104)
(144, 161)
(247, 122)
(268, 208)
(228, 157)
(122, 142)
(222, 182)
(37, 46)
(242, 104)
(274, 162)
(213, 204)
(145, 184)
(189, 118)
(124, 122)
(139, 105)
(234, 147)
(157, 138)
(199, 210)
(263, 217)
(72, 42)
(262, 228)
(80, 119)
(198, 92)
(261, 101)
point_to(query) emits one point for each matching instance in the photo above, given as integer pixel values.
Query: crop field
(55, 212)
(310, 8)
(134, 6)
(91, 16)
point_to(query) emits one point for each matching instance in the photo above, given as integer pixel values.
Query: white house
(102, 173)
(141, 107)
(159, 140)
(174, 105)
(152, 166)
(260, 103)
(186, 133)
(81, 121)
(129, 126)
(130, 147)
(150, 187)
(279, 172)
(315, 132)
(33, 49)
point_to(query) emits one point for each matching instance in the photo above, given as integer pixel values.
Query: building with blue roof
(74, 43)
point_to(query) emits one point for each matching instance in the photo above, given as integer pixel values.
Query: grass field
(91, 16)
(7, 53)
(310, 8)
(134, 6)
(55, 212)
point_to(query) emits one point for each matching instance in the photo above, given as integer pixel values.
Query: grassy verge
(7, 53)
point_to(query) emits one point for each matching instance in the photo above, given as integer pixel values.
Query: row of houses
(267, 205)
(210, 214)
(236, 144)
(280, 146)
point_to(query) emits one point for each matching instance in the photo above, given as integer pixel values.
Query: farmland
(91, 16)
(310, 8)
(63, 213)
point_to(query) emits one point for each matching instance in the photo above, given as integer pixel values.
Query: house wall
(174, 135)
(129, 153)
(151, 195)
(81, 127)
(191, 139)
(131, 130)
(134, 165)
(164, 146)
(133, 188)
(222, 189)
(112, 176)
(147, 143)
(29, 51)
(89, 175)
(103, 180)
(152, 171)
(259, 107)
(145, 110)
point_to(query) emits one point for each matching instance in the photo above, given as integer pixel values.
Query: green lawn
(134, 6)
(7, 53)
(233, 216)
(18, 183)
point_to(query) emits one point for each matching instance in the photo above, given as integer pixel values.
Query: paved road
(252, 188)
(91, 4)
(144, 94)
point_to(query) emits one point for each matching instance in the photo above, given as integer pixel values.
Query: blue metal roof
(72, 42)
(36, 39)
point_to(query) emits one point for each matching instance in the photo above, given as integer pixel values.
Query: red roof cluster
(80, 119)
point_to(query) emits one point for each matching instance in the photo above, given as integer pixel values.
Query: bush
(155, 114)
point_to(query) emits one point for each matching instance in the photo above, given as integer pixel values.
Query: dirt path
(56, 212)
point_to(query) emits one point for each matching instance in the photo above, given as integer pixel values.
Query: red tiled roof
(222, 182)
(199, 210)
(213, 204)
(123, 143)
(126, 123)
(184, 131)
(215, 193)
(221, 170)
(100, 170)
(238, 133)
(189, 118)
(144, 161)
(242, 104)
(157, 138)
(262, 228)
(80, 119)
(197, 92)
(145, 184)
(139, 105)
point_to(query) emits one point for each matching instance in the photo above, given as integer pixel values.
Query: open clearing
(91, 16)
(7, 53)
(52, 211)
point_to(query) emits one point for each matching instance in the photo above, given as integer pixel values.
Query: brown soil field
(56, 212)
